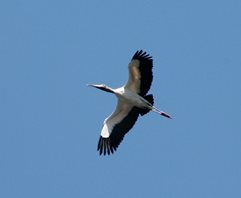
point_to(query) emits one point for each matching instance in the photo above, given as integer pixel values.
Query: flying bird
(132, 102)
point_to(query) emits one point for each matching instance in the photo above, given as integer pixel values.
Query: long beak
(95, 86)
(90, 85)
(102, 87)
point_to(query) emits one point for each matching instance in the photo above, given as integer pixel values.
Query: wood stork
(132, 102)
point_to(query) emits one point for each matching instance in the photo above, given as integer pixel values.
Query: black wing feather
(146, 65)
(110, 144)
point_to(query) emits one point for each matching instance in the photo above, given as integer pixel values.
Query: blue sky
(51, 122)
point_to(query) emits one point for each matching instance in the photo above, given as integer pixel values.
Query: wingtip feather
(105, 146)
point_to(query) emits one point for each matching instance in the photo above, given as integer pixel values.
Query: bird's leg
(154, 109)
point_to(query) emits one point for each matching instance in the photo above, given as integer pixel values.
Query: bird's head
(102, 87)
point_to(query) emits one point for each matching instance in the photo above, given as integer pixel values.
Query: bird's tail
(150, 99)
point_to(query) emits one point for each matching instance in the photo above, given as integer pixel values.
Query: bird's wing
(140, 73)
(116, 126)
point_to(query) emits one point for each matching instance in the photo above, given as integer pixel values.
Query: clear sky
(50, 121)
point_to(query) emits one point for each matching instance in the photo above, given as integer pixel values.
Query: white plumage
(132, 102)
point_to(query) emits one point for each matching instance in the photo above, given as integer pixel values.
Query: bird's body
(131, 98)
(132, 102)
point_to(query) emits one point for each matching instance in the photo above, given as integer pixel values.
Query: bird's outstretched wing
(140, 73)
(116, 126)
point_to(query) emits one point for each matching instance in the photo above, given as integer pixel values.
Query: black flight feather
(146, 65)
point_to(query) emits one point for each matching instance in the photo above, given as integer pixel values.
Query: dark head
(102, 87)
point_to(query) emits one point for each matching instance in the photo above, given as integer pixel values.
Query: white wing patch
(105, 133)
(134, 81)
(119, 114)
